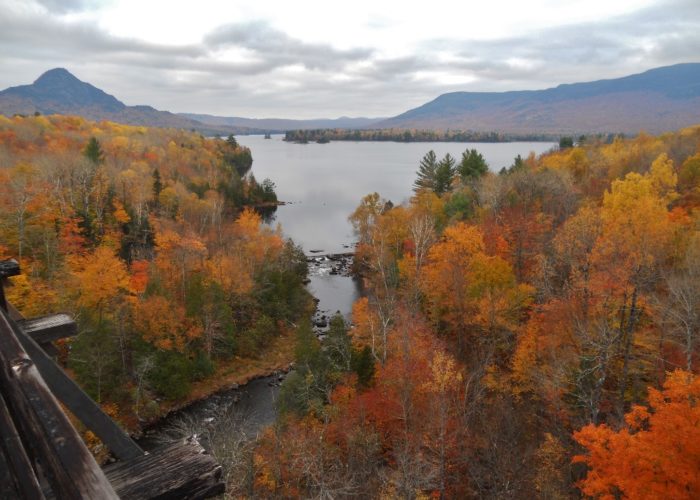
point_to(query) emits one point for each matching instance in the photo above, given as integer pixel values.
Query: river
(322, 184)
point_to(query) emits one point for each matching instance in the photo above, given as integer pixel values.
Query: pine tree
(363, 365)
(157, 185)
(472, 165)
(444, 174)
(93, 151)
(426, 172)
(337, 343)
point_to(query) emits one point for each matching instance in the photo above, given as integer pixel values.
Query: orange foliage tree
(466, 288)
(657, 455)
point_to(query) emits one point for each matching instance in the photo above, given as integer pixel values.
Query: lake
(324, 183)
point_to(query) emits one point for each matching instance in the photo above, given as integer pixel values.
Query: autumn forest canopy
(532, 333)
(149, 238)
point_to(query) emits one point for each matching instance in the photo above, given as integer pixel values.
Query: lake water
(324, 183)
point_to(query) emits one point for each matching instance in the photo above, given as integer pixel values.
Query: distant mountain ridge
(657, 100)
(59, 92)
(283, 124)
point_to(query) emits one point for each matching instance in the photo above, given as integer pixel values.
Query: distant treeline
(410, 135)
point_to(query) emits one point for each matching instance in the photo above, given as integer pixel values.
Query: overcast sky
(310, 59)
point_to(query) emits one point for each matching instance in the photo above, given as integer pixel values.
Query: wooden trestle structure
(42, 454)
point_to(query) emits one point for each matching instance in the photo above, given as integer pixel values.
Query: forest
(149, 238)
(528, 334)
(409, 135)
(532, 333)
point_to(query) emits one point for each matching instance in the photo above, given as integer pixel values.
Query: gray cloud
(328, 81)
(662, 34)
(65, 6)
(274, 45)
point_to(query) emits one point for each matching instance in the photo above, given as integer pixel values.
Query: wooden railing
(42, 454)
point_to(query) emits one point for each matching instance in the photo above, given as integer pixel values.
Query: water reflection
(268, 213)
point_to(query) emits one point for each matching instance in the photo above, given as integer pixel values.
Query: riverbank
(228, 376)
(252, 384)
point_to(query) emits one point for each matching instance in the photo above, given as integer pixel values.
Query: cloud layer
(251, 68)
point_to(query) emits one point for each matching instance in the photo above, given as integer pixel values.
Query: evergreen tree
(338, 343)
(157, 185)
(231, 140)
(518, 164)
(566, 142)
(308, 386)
(268, 191)
(444, 175)
(472, 166)
(93, 151)
(363, 365)
(426, 172)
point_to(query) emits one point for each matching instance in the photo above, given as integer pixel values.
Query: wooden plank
(9, 268)
(79, 403)
(8, 482)
(47, 434)
(13, 313)
(17, 477)
(181, 470)
(49, 328)
(50, 350)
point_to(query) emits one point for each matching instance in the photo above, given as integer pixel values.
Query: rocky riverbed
(252, 404)
(331, 282)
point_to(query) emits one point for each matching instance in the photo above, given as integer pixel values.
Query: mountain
(282, 124)
(657, 100)
(59, 92)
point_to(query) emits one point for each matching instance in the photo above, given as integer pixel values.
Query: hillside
(59, 92)
(657, 100)
(147, 234)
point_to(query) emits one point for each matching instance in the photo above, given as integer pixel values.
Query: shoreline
(229, 376)
(237, 373)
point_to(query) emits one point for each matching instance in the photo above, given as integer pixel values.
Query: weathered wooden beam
(79, 403)
(45, 430)
(181, 470)
(50, 350)
(8, 482)
(13, 313)
(49, 328)
(17, 476)
(8, 268)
